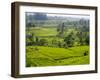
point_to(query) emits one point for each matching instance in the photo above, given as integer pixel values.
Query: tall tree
(69, 40)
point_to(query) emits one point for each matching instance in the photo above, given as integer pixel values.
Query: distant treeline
(41, 19)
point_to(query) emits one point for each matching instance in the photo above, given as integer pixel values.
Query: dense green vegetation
(55, 40)
(48, 56)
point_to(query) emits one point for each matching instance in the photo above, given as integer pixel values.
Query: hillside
(48, 56)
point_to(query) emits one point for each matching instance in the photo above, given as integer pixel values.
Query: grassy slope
(48, 56)
(40, 31)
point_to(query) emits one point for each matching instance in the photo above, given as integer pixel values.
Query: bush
(69, 40)
(43, 42)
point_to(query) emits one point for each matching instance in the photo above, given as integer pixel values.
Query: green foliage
(83, 38)
(87, 39)
(56, 42)
(43, 42)
(48, 56)
(70, 37)
(69, 40)
(37, 39)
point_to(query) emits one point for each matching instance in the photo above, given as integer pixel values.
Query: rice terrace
(56, 39)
